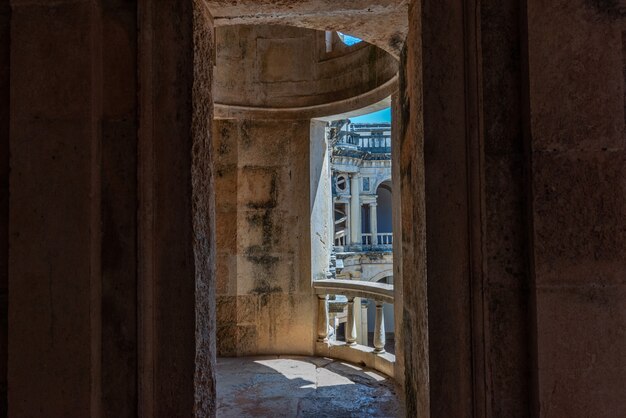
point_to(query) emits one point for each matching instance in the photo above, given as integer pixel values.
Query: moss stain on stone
(264, 221)
(272, 201)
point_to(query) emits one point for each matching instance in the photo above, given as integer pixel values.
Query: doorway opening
(358, 202)
(268, 84)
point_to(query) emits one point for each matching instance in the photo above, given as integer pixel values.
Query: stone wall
(265, 302)
(576, 57)
(509, 159)
(281, 67)
(105, 258)
(320, 198)
(523, 154)
(54, 258)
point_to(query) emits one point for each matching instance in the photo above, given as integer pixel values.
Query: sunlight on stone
(327, 378)
(375, 376)
(351, 366)
(291, 369)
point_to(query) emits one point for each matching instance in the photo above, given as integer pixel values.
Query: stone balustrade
(375, 144)
(381, 293)
(384, 238)
(380, 241)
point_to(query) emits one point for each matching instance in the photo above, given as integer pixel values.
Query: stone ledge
(358, 354)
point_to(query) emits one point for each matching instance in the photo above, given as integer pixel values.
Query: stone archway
(353, 18)
(359, 18)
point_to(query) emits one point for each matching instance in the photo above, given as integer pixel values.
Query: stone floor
(292, 386)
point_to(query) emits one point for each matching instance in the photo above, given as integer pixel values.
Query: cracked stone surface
(293, 386)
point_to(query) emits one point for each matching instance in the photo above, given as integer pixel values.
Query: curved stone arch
(382, 275)
(377, 184)
(251, 97)
(357, 18)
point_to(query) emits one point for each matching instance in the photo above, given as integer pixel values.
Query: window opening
(349, 39)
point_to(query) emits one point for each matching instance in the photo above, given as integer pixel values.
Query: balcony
(382, 242)
(370, 144)
(374, 357)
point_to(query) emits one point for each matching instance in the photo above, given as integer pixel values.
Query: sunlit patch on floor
(302, 387)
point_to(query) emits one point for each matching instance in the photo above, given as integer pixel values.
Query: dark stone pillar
(504, 286)
(54, 257)
(408, 160)
(448, 208)
(104, 321)
(5, 31)
(463, 195)
(119, 209)
(176, 214)
(576, 61)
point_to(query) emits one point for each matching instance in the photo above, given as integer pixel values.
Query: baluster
(351, 324)
(379, 329)
(322, 319)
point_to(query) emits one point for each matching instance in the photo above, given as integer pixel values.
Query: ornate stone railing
(373, 144)
(379, 292)
(341, 240)
(379, 143)
(384, 238)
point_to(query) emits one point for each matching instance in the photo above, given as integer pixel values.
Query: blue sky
(380, 116)
(349, 39)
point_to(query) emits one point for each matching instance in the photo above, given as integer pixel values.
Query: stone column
(373, 223)
(176, 214)
(5, 38)
(355, 210)
(363, 335)
(351, 323)
(348, 235)
(322, 318)
(379, 329)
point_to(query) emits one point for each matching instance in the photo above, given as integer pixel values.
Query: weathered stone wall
(576, 59)
(475, 271)
(265, 302)
(83, 340)
(320, 198)
(500, 212)
(54, 259)
(175, 209)
(525, 201)
(283, 67)
(360, 18)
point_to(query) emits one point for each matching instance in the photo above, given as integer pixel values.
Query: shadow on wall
(303, 387)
